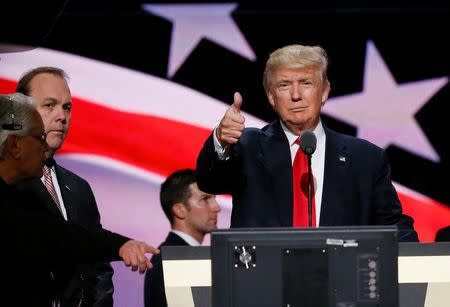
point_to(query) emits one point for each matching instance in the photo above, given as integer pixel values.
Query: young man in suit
(261, 168)
(192, 214)
(72, 198)
(34, 241)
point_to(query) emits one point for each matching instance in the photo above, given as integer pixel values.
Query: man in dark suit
(75, 201)
(192, 214)
(260, 167)
(33, 240)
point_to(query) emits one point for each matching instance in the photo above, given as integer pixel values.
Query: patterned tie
(300, 187)
(48, 182)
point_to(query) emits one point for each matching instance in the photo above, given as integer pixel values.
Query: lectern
(305, 267)
(423, 274)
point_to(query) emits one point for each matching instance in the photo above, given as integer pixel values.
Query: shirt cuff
(222, 153)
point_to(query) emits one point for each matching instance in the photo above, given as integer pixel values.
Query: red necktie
(300, 187)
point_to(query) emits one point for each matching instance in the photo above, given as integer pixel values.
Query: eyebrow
(53, 99)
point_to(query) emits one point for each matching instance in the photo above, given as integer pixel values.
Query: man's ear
(326, 92)
(179, 211)
(270, 98)
(12, 146)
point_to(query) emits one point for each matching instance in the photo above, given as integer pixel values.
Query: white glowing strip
(124, 89)
(411, 193)
(129, 169)
(115, 165)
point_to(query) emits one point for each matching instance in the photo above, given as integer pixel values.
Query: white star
(384, 111)
(192, 22)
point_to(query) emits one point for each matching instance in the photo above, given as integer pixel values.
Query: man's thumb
(237, 102)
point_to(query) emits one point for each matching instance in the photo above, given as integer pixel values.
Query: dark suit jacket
(357, 188)
(34, 243)
(154, 293)
(93, 281)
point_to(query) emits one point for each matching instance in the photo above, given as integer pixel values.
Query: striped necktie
(48, 182)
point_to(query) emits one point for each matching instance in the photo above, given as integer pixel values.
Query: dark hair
(23, 86)
(175, 189)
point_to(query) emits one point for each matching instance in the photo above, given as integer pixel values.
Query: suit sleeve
(55, 241)
(216, 176)
(388, 209)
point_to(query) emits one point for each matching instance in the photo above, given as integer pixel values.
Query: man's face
(54, 103)
(33, 149)
(202, 211)
(297, 95)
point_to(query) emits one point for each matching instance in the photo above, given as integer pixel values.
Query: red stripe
(429, 215)
(7, 86)
(152, 143)
(149, 142)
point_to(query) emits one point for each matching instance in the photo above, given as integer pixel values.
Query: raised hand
(232, 124)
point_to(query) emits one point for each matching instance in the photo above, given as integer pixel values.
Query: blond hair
(296, 56)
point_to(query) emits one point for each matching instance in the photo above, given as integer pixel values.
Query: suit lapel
(66, 193)
(337, 161)
(276, 157)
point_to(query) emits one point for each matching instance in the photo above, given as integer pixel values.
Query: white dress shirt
(317, 160)
(189, 239)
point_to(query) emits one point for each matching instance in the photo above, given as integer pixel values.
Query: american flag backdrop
(151, 80)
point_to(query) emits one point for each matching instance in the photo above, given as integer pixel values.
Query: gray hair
(15, 116)
(296, 56)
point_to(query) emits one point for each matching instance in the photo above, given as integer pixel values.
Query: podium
(423, 275)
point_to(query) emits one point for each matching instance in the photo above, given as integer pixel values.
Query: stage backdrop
(150, 81)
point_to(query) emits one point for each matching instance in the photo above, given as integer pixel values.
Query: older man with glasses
(34, 242)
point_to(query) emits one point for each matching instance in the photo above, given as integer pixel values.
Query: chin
(54, 146)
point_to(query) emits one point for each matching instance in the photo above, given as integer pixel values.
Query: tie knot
(297, 141)
(49, 162)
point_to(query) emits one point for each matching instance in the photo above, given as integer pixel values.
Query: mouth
(56, 132)
(298, 109)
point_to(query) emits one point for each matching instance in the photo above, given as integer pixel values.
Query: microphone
(308, 142)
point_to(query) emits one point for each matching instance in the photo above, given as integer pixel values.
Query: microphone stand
(309, 192)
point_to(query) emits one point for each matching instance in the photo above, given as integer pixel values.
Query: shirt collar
(189, 239)
(319, 132)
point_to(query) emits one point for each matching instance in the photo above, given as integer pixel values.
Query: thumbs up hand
(232, 124)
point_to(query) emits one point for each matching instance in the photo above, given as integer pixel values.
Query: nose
(215, 206)
(295, 92)
(60, 114)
